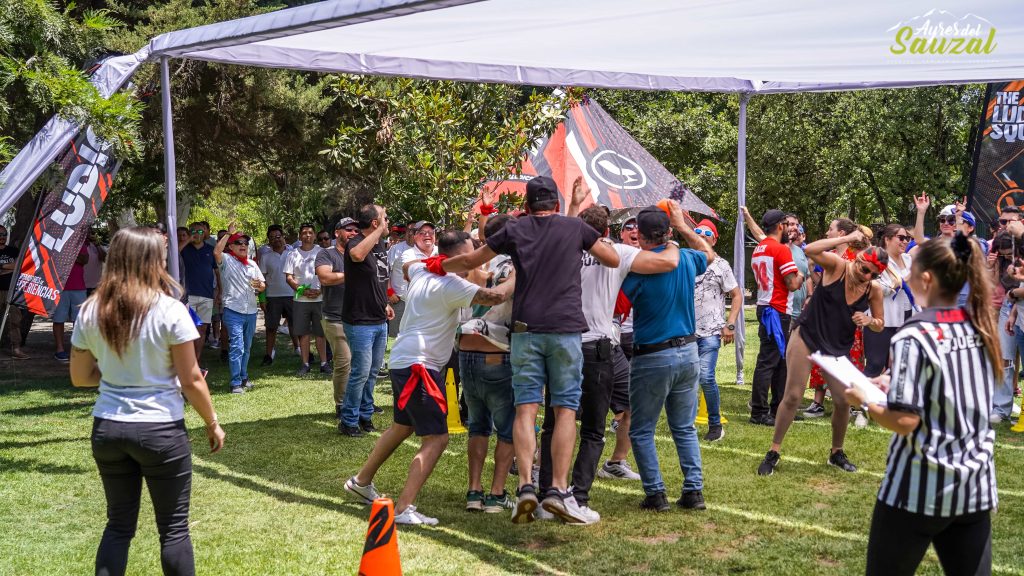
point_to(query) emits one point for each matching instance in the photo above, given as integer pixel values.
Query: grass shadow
(31, 465)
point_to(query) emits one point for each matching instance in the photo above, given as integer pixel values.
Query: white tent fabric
(699, 45)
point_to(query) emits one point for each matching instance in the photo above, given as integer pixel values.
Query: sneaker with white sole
(411, 517)
(543, 515)
(475, 501)
(617, 471)
(564, 506)
(365, 493)
(590, 514)
(497, 503)
(526, 503)
(861, 421)
(815, 410)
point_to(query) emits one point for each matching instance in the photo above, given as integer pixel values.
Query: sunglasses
(198, 231)
(3, 234)
(629, 226)
(239, 243)
(1004, 222)
(904, 237)
(947, 219)
(324, 239)
(865, 270)
(704, 232)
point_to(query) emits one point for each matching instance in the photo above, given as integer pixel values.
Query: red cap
(235, 237)
(709, 225)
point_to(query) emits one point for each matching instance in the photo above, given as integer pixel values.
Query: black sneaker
(692, 500)
(768, 465)
(247, 384)
(352, 431)
(367, 425)
(303, 371)
(657, 502)
(377, 409)
(715, 433)
(267, 360)
(763, 420)
(325, 368)
(526, 503)
(839, 460)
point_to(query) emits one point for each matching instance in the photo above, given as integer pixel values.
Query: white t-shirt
(433, 305)
(395, 255)
(302, 265)
(237, 292)
(600, 289)
(141, 385)
(272, 266)
(409, 255)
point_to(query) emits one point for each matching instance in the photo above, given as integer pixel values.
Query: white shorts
(203, 307)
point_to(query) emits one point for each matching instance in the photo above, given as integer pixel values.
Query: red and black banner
(998, 176)
(63, 221)
(617, 169)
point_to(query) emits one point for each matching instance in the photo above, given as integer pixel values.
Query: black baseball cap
(652, 222)
(771, 218)
(541, 189)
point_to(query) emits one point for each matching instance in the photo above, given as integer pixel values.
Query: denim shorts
(67, 307)
(552, 360)
(487, 390)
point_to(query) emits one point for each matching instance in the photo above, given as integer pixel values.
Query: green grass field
(271, 502)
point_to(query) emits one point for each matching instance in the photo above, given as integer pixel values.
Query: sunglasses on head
(947, 219)
(704, 232)
(864, 269)
(629, 226)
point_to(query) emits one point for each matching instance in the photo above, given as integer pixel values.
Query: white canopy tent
(742, 46)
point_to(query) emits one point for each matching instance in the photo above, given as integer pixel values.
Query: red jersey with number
(772, 261)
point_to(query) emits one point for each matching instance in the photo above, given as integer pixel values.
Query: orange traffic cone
(380, 555)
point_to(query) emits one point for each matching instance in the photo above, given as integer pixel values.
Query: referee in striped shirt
(940, 479)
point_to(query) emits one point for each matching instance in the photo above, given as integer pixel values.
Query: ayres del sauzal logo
(942, 33)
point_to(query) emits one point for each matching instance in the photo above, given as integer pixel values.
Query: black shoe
(763, 420)
(839, 460)
(767, 467)
(797, 416)
(657, 502)
(325, 368)
(352, 431)
(267, 360)
(337, 411)
(377, 409)
(692, 500)
(303, 371)
(715, 433)
(367, 425)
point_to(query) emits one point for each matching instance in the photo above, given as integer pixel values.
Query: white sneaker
(861, 421)
(590, 514)
(617, 471)
(410, 516)
(282, 329)
(565, 507)
(1015, 411)
(298, 351)
(365, 493)
(995, 418)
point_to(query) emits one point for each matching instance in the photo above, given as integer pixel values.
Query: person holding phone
(939, 486)
(133, 340)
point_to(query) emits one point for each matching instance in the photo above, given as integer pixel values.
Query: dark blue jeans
(159, 452)
(368, 344)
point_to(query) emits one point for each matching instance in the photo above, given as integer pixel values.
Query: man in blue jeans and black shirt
(547, 327)
(665, 366)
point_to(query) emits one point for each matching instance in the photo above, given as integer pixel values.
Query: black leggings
(125, 453)
(899, 540)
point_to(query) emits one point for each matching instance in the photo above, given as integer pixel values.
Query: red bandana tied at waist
(421, 375)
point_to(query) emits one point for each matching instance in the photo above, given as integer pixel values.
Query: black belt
(641, 349)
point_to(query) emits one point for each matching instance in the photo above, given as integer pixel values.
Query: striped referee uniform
(940, 372)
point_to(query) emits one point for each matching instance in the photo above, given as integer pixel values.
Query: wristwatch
(731, 327)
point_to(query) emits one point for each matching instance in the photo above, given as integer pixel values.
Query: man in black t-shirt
(364, 315)
(547, 324)
(330, 268)
(8, 260)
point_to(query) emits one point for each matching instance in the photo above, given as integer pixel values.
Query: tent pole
(739, 254)
(169, 175)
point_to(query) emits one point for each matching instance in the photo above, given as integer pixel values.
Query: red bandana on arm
(420, 375)
(234, 238)
(434, 264)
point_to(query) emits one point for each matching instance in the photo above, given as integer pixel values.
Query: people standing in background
(71, 299)
(397, 282)
(897, 301)
(713, 329)
(202, 280)
(300, 273)
(9, 255)
(134, 342)
(330, 269)
(279, 294)
(939, 486)
(94, 267)
(242, 281)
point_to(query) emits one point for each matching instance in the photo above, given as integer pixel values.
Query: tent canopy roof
(696, 45)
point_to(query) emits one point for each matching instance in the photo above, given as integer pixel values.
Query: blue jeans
(666, 379)
(1002, 396)
(487, 390)
(552, 360)
(241, 328)
(707, 349)
(368, 344)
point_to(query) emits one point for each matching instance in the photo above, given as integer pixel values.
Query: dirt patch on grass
(827, 562)
(824, 485)
(659, 539)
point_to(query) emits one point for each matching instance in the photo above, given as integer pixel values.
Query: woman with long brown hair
(940, 480)
(133, 340)
(897, 300)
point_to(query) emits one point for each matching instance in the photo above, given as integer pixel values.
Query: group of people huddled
(543, 314)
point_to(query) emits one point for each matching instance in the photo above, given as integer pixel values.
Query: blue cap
(968, 217)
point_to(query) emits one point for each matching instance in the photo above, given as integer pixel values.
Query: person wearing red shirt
(777, 275)
(71, 299)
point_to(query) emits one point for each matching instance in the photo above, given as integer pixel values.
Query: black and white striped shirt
(940, 372)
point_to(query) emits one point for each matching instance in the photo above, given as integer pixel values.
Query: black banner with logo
(998, 176)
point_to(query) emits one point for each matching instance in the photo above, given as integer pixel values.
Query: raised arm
(755, 230)
(218, 250)
(921, 203)
(650, 262)
(359, 252)
(820, 251)
(693, 240)
(580, 192)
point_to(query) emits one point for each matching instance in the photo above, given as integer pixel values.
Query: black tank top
(826, 324)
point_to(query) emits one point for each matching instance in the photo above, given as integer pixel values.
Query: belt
(641, 349)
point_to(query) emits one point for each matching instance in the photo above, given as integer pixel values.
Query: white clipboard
(844, 371)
